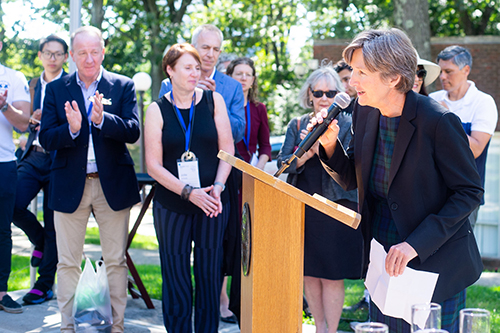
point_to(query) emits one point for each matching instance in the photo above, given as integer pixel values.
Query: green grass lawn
(139, 241)
(477, 296)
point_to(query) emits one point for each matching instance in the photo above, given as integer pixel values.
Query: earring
(310, 103)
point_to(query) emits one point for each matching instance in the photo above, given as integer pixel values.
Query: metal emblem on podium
(246, 239)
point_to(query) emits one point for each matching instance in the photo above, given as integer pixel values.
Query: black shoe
(35, 296)
(36, 258)
(8, 305)
(230, 320)
(361, 305)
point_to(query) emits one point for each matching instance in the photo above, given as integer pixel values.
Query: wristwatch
(221, 185)
(4, 108)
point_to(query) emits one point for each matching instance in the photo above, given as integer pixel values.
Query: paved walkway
(46, 317)
(138, 319)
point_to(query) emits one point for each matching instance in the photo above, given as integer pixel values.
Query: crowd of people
(413, 165)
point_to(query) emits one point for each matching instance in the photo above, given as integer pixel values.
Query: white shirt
(87, 92)
(476, 108)
(18, 90)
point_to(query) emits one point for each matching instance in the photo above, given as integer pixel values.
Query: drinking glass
(474, 321)
(425, 315)
(371, 327)
(431, 330)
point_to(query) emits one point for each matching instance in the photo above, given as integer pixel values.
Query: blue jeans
(8, 172)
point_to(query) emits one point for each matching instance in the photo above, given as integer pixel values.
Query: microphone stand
(285, 165)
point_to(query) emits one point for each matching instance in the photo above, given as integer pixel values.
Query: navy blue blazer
(433, 188)
(232, 92)
(114, 163)
(37, 104)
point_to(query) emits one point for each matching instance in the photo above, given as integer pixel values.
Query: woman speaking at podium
(332, 250)
(410, 160)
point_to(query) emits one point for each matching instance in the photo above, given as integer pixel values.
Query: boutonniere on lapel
(104, 101)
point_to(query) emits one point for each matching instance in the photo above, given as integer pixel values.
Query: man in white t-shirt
(476, 109)
(14, 107)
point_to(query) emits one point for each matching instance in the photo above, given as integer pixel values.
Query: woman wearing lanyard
(332, 250)
(257, 130)
(184, 131)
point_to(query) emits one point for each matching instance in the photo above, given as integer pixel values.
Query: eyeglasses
(319, 93)
(421, 73)
(48, 55)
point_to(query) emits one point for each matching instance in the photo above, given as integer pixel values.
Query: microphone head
(342, 99)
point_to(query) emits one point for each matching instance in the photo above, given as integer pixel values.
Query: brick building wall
(485, 52)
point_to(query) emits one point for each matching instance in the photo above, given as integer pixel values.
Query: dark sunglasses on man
(319, 93)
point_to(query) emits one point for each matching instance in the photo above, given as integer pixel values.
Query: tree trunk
(97, 13)
(413, 17)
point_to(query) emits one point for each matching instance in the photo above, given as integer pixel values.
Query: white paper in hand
(394, 296)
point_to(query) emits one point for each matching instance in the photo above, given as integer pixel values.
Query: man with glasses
(476, 109)
(88, 117)
(33, 175)
(14, 112)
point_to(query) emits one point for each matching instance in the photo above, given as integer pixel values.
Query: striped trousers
(175, 233)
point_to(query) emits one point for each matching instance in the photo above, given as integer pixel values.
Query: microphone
(341, 101)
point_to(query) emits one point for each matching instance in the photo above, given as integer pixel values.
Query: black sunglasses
(421, 73)
(319, 93)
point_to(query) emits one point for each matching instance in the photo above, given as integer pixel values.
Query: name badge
(187, 169)
(254, 160)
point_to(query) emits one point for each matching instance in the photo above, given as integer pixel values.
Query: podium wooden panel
(271, 293)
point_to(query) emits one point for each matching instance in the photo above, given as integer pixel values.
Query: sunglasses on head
(319, 93)
(421, 73)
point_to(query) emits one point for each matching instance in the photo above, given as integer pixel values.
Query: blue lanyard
(187, 131)
(89, 111)
(246, 138)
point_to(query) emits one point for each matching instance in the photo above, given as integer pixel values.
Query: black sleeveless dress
(204, 143)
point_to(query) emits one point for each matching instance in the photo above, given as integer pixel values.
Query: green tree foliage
(345, 19)
(464, 17)
(261, 29)
(138, 31)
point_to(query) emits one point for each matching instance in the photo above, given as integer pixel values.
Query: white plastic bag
(92, 305)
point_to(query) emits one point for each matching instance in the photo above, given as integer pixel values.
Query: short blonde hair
(388, 52)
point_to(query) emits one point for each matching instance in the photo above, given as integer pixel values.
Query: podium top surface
(330, 208)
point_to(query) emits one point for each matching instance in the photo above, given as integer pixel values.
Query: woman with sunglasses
(427, 72)
(332, 250)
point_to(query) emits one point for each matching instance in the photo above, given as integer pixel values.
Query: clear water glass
(474, 321)
(425, 315)
(371, 327)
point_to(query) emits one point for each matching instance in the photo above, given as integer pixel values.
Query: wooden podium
(271, 291)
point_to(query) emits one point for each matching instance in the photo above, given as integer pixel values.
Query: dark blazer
(114, 163)
(37, 104)
(433, 188)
